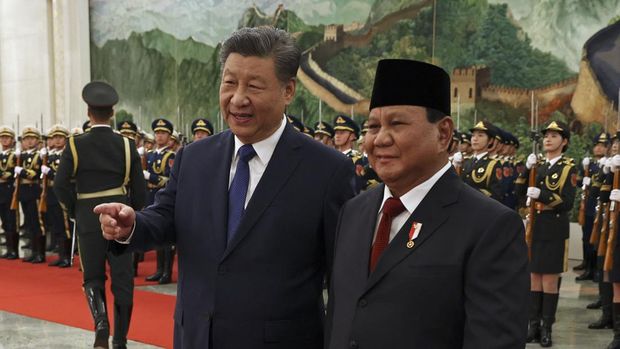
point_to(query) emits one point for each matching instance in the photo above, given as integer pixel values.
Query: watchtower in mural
(333, 32)
(467, 83)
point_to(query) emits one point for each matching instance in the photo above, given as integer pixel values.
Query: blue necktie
(238, 189)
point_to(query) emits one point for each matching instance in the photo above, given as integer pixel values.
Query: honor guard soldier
(552, 193)
(465, 145)
(128, 129)
(509, 173)
(201, 128)
(54, 214)
(8, 215)
(149, 142)
(590, 179)
(28, 172)
(612, 257)
(481, 171)
(324, 133)
(308, 131)
(346, 133)
(105, 167)
(295, 122)
(159, 164)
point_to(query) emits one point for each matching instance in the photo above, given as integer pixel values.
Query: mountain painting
(162, 55)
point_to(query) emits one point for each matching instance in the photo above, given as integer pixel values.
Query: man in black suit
(101, 166)
(252, 215)
(424, 261)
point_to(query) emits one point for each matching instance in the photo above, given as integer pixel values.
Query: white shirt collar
(554, 160)
(100, 125)
(345, 152)
(265, 148)
(481, 155)
(413, 197)
(160, 150)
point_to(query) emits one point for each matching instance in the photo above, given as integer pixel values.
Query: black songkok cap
(407, 82)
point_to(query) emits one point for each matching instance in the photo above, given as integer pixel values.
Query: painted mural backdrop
(162, 55)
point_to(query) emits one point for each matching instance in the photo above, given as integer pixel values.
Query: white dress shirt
(264, 150)
(410, 200)
(553, 161)
(481, 155)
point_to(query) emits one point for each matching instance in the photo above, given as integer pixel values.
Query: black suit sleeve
(338, 192)
(496, 287)
(137, 184)
(63, 188)
(155, 225)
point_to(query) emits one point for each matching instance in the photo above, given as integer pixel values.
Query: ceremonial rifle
(584, 198)
(15, 198)
(43, 197)
(531, 211)
(613, 223)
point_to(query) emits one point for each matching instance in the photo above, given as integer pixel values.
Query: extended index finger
(109, 209)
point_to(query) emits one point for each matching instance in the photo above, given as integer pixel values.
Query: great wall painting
(162, 54)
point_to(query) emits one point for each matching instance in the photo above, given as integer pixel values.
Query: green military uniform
(106, 168)
(29, 194)
(549, 249)
(483, 172)
(55, 217)
(8, 215)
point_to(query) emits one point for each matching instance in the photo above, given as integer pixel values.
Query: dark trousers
(586, 229)
(93, 255)
(59, 227)
(8, 218)
(32, 220)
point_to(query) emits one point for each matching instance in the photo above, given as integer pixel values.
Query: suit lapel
(217, 187)
(431, 213)
(283, 162)
(364, 228)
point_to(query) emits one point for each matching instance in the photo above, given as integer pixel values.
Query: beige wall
(44, 62)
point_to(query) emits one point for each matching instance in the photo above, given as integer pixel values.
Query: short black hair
(265, 41)
(100, 114)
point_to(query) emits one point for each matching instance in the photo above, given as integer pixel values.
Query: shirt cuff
(127, 241)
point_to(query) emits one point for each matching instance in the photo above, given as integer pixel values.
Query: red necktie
(391, 208)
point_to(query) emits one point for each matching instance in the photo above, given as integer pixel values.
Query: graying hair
(264, 42)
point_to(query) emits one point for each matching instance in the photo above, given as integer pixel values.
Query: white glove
(607, 166)
(44, 169)
(141, 151)
(585, 162)
(18, 152)
(615, 195)
(43, 151)
(586, 181)
(601, 161)
(615, 161)
(457, 158)
(531, 161)
(18, 170)
(533, 192)
(147, 174)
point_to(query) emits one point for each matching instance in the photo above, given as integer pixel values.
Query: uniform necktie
(391, 208)
(238, 189)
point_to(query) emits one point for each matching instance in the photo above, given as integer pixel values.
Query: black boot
(122, 318)
(549, 307)
(166, 276)
(533, 328)
(615, 343)
(96, 302)
(160, 266)
(38, 250)
(65, 254)
(12, 252)
(605, 321)
(590, 267)
(595, 305)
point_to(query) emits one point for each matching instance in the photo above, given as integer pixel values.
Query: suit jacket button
(353, 344)
(363, 302)
(221, 270)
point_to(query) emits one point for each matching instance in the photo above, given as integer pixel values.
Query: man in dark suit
(424, 261)
(252, 215)
(101, 166)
